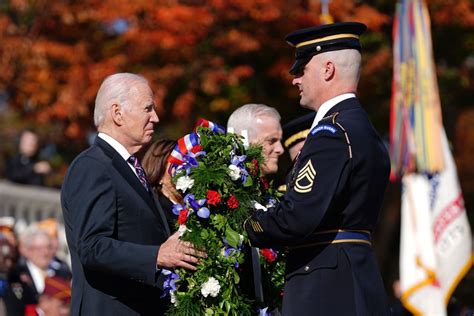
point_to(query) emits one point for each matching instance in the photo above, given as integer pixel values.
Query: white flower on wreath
(182, 229)
(210, 287)
(241, 239)
(184, 183)
(173, 299)
(234, 172)
(257, 206)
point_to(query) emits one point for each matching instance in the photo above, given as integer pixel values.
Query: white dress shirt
(119, 148)
(329, 104)
(37, 275)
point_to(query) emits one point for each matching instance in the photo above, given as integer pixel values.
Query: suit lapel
(124, 169)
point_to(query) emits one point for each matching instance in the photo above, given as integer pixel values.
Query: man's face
(139, 116)
(39, 251)
(310, 82)
(268, 133)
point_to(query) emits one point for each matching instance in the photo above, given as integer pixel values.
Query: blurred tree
(203, 58)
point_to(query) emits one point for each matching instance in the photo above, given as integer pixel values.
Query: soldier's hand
(175, 253)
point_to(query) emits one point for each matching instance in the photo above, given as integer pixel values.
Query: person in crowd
(26, 167)
(55, 299)
(27, 276)
(35, 247)
(7, 228)
(335, 189)
(59, 266)
(8, 256)
(119, 240)
(261, 124)
(155, 163)
(295, 133)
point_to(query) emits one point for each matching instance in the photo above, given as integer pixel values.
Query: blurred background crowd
(203, 59)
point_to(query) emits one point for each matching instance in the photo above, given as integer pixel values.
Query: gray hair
(114, 89)
(28, 235)
(244, 117)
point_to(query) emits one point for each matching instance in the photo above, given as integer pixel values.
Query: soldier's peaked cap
(324, 38)
(297, 129)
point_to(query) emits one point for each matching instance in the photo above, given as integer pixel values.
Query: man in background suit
(117, 234)
(261, 123)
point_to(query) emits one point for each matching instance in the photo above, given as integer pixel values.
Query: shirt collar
(115, 145)
(329, 104)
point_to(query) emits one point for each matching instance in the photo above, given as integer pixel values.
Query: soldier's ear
(329, 70)
(117, 114)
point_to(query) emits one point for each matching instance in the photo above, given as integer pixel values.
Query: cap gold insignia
(308, 173)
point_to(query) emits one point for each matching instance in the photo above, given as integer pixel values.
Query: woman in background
(155, 163)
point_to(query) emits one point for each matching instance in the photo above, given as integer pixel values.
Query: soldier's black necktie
(140, 171)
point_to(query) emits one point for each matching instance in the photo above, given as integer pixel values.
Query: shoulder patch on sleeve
(323, 127)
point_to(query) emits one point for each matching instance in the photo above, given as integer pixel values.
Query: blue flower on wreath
(190, 161)
(238, 162)
(229, 250)
(169, 285)
(197, 205)
(177, 208)
(271, 202)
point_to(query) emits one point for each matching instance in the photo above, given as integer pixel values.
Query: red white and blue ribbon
(216, 128)
(188, 148)
(188, 145)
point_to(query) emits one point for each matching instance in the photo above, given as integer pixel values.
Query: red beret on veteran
(324, 38)
(58, 288)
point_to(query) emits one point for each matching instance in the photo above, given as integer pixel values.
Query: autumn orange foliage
(202, 58)
(195, 53)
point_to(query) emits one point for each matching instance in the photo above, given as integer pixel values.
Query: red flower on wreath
(232, 202)
(183, 216)
(268, 254)
(254, 167)
(213, 197)
(264, 183)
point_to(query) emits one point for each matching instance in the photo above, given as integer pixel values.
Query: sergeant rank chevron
(305, 179)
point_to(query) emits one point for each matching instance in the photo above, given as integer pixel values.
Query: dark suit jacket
(114, 229)
(344, 191)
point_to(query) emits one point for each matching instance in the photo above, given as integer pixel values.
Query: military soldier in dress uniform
(336, 187)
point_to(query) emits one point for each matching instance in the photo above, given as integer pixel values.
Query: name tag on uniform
(324, 127)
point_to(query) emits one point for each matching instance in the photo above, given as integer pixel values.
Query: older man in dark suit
(336, 187)
(116, 231)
